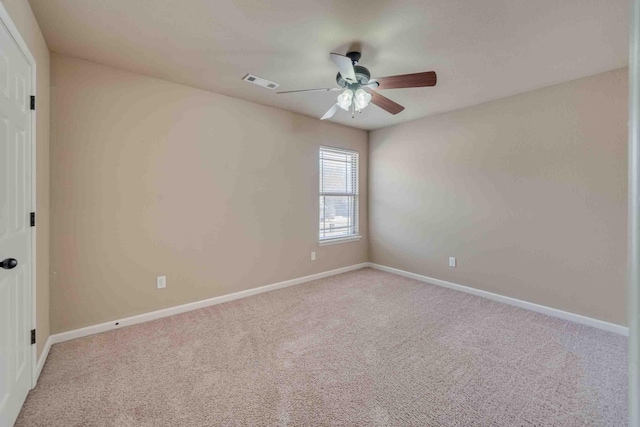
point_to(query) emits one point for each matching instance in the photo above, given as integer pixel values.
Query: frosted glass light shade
(345, 99)
(362, 99)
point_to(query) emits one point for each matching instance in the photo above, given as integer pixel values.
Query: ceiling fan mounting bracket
(354, 56)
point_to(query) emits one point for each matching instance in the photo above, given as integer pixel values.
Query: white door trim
(633, 262)
(22, 45)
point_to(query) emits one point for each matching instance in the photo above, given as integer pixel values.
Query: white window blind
(338, 193)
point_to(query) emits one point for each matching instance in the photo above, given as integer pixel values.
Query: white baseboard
(128, 321)
(41, 360)
(588, 321)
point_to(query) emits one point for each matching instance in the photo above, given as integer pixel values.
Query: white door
(15, 230)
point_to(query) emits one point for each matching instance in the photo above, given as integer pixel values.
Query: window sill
(339, 240)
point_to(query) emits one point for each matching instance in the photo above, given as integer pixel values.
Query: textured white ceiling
(481, 50)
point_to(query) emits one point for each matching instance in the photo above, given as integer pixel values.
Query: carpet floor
(361, 348)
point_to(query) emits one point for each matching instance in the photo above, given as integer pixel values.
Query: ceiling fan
(360, 89)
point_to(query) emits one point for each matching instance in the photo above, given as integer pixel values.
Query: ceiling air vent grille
(260, 81)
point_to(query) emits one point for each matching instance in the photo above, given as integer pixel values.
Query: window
(338, 195)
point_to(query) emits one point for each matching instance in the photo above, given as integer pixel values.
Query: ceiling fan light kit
(361, 100)
(360, 88)
(345, 99)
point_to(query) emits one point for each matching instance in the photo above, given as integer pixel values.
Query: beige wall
(23, 18)
(528, 192)
(152, 178)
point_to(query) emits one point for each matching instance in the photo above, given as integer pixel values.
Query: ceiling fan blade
(330, 112)
(327, 89)
(385, 103)
(428, 78)
(345, 66)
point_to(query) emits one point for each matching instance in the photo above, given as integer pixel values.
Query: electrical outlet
(161, 282)
(452, 261)
(313, 256)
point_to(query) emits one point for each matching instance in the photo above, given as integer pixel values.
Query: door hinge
(33, 336)
(33, 219)
(33, 102)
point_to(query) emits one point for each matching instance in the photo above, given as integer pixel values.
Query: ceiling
(481, 50)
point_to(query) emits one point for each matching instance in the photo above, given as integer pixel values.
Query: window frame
(355, 195)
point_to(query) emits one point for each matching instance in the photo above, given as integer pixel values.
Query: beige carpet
(362, 348)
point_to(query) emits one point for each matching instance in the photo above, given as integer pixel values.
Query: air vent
(260, 81)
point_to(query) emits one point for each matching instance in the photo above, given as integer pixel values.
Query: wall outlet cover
(161, 282)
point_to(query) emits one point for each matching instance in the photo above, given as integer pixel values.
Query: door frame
(5, 19)
(633, 262)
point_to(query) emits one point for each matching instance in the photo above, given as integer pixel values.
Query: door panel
(15, 230)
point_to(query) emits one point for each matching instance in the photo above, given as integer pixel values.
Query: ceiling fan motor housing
(362, 76)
